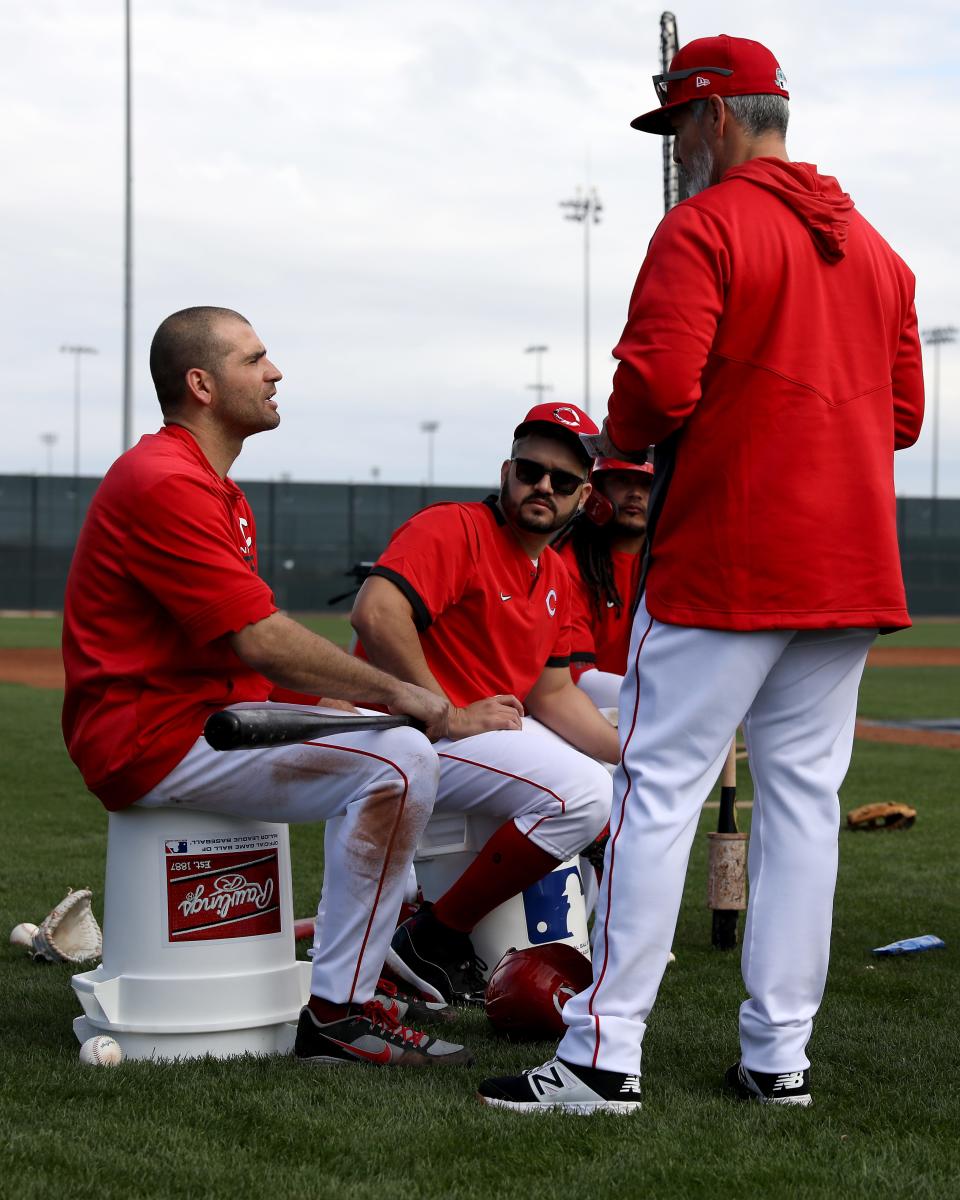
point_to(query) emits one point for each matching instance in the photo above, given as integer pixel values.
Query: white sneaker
(566, 1086)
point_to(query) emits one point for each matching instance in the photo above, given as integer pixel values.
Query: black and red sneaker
(408, 1008)
(370, 1033)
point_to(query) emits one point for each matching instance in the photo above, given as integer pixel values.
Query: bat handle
(727, 819)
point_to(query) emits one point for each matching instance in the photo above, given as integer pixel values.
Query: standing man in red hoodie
(771, 331)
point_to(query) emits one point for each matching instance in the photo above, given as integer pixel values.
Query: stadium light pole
(943, 335)
(585, 208)
(429, 428)
(539, 387)
(127, 435)
(77, 352)
(49, 440)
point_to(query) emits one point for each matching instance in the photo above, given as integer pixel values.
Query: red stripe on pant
(613, 842)
(519, 778)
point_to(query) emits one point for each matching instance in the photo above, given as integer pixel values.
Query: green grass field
(885, 1047)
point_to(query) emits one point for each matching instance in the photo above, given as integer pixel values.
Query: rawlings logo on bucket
(222, 887)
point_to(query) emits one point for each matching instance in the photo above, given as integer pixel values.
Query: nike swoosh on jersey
(504, 597)
(381, 1056)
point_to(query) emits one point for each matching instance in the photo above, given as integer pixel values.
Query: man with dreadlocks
(603, 551)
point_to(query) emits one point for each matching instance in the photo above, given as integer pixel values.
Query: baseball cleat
(440, 959)
(789, 1087)
(580, 1091)
(410, 1009)
(372, 1035)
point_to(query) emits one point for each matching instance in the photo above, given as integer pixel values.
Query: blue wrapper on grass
(914, 945)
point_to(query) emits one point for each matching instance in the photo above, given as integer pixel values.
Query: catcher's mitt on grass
(70, 933)
(881, 816)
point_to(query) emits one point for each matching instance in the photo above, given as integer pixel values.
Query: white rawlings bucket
(198, 947)
(552, 910)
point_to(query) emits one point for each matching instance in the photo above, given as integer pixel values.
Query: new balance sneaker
(410, 1009)
(372, 1034)
(789, 1087)
(440, 959)
(581, 1091)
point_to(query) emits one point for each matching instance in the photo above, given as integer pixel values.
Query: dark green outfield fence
(310, 534)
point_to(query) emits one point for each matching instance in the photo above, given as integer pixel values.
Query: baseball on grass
(22, 934)
(101, 1051)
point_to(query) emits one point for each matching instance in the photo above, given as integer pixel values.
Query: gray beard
(698, 176)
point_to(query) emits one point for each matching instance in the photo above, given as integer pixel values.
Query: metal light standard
(49, 440)
(77, 352)
(429, 428)
(586, 209)
(539, 387)
(127, 437)
(941, 336)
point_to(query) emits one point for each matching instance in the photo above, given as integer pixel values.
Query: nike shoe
(581, 1091)
(410, 1009)
(440, 959)
(373, 1035)
(789, 1087)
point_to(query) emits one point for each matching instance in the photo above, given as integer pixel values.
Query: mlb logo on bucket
(547, 906)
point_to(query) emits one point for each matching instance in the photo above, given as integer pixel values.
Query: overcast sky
(376, 186)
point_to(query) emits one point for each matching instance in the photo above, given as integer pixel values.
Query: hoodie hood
(817, 199)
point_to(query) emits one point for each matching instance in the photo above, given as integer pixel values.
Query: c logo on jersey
(567, 416)
(552, 602)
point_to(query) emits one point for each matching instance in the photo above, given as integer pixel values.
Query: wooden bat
(727, 872)
(253, 728)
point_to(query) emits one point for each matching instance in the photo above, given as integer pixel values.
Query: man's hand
(432, 711)
(484, 716)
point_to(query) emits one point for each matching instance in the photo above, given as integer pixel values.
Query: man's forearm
(292, 657)
(572, 715)
(391, 642)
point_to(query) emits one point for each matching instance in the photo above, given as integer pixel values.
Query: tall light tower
(941, 336)
(77, 352)
(429, 428)
(49, 440)
(669, 44)
(127, 437)
(585, 208)
(539, 387)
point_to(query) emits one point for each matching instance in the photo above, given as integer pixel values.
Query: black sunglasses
(660, 81)
(564, 483)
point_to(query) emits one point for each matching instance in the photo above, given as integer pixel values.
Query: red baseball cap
(714, 66)
(566, 418)
(619, 464)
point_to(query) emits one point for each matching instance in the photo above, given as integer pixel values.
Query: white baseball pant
(685, 692)
(375, 791)
(557, 796)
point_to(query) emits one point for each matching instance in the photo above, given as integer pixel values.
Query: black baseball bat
(253, 728)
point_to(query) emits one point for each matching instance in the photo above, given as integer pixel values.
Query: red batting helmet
(528, 988)
(619, 464)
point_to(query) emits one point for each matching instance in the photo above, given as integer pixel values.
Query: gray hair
(756, 114)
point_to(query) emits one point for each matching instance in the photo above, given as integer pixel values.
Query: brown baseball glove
(881, 816)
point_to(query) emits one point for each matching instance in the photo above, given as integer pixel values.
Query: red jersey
(771, 353)
(489, 618)
(165, 567)
(601, 639)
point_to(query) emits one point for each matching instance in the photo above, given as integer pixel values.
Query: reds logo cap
(553, 419)
(714, 66)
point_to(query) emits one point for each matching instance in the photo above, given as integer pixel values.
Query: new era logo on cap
(702, 82)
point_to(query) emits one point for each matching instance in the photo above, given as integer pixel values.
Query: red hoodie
(771, 353)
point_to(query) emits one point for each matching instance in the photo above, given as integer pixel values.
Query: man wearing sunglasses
(771, 334)
(470, 601)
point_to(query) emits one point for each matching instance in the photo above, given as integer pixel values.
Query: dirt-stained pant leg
(376, 790)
